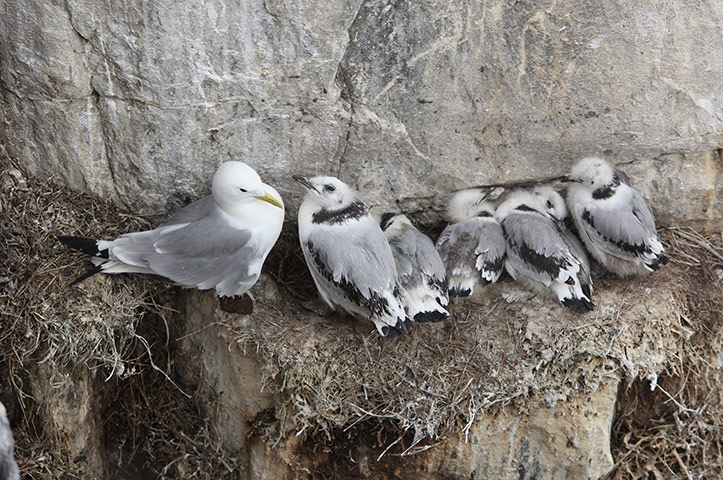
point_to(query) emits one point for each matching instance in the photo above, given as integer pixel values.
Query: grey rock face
(496, 93)
(140, 101)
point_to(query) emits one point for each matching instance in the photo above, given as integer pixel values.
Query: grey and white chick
(613, 219)
(8, 467)
(555, 207)
(421, 270)
(348, 256)
(537, 254)
(472, 246)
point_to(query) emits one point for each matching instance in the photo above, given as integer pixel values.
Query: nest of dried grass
(45, 319)
(441, 378)
(673, 428)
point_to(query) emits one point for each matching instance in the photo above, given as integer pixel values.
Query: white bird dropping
(220, 241)
(537, 253)
(613, 219)
(348, 256)
(420, 269)
(472, 246)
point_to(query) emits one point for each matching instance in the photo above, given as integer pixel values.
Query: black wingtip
(579, 305)
(587, 291)
(460, 292)
(405, 325)
(660, 260)
(83, 244)
(89, 273)
(389, 332)
(432, 316)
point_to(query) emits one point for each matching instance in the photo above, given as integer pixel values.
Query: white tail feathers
(422, 307)
(571, 294)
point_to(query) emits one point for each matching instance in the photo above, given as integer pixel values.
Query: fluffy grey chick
(472, 246)
(613, 219)
(420, 268)
(537, 254)
(555, 207)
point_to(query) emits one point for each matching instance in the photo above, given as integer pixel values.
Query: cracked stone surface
(140, 101)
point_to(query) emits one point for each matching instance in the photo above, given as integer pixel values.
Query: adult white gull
(219, 242)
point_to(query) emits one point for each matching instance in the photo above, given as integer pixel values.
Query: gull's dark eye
(243, 190)
(549, 204)
(329, 188)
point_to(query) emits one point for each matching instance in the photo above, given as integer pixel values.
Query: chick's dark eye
(549, 204)
(329, 188)
(243, 190)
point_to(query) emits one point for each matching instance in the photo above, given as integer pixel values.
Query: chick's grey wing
(619, 229)
(535, 248)
(404, 252)
(575, 246)
(361, 258)
(444, 242)
(204, 253)
(430, 263)
(456, 246)
(578, 252)
(490, 250)
(642, 213)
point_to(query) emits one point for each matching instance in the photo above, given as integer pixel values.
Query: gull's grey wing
(431, 264)
(191, 212)
(578, 251)
(490, 250)
(536, 248)
(643, 214)
(624, 230)
(456, 245)
(575, 246)
(404, 250)
(205, 253)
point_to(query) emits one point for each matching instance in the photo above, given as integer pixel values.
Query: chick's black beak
(486, 191)
(566, 179)
(303, 180)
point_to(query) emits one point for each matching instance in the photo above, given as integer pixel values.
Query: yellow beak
(271, 199)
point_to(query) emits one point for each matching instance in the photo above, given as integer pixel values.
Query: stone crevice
(346, 94)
